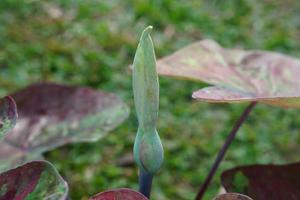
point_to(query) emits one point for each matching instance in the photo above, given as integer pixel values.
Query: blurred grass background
(92, 42)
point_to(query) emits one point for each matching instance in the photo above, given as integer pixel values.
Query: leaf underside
(33, 181)
(119, 194)
(237, 75)
(51, 115)
(261, 182)
(232, 196)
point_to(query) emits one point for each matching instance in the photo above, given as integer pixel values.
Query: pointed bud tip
(146, 32)
(148, 29)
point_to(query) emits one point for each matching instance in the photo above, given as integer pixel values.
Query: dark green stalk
(145, 183)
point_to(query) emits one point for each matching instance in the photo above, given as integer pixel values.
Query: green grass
(92, 42)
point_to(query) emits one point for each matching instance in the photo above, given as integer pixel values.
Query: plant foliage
(237, 75)
(51, 115)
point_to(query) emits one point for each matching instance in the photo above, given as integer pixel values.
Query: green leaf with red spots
(237, 75)
(232, 196)
(8, 115)
(33, 181)
(261, 182)
(52, 115)
(119, 194)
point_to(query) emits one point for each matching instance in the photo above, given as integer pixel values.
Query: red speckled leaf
(8, 115)
(33, 181)
(261, 182)
(238, 75)
(51, 115)
(119, 194)
(232, 196)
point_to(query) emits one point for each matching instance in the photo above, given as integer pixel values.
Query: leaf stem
(224, 148)
(145, 183)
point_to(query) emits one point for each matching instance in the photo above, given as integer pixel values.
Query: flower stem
(223, 150)
(145, 182)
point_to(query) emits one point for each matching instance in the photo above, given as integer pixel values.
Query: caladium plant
(236, 76)
(51, 115)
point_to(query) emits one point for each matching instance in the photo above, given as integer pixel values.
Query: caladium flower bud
(148, 150)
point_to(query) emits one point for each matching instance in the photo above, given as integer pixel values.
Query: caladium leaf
(119, 194)
(32, 181)
(237, 75)
(232, 196)
(51, 115)
(8, 115)
(261, 182)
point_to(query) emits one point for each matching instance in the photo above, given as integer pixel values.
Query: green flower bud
(148, 151)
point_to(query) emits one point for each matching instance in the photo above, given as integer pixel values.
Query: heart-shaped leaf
(232, 196)
(261, 182)
(119, 194)
(51, 115)
(33, 181)
(8, 115)
(237, 75)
